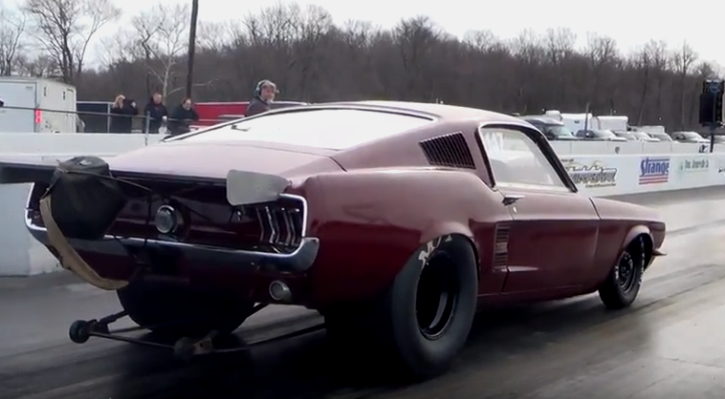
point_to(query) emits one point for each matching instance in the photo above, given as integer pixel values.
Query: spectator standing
(122, 112)
(156, 111)
(182, 117)
(264, 94)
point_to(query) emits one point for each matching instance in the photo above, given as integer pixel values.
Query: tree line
(312, 58)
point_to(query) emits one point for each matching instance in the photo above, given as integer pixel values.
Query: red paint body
(371, 207)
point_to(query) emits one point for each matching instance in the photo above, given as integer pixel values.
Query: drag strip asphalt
(667, 345)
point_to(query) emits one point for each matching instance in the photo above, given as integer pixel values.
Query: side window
(516, 159)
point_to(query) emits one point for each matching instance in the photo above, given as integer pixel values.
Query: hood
(215, 160)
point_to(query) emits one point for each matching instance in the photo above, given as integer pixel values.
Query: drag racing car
(394, 220)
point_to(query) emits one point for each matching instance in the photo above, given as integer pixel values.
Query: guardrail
(44, 120)
(631, 147)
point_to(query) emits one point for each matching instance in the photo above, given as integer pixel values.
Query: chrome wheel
(436, 298)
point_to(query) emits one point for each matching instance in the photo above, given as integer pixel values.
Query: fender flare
(433, 237)
(637, 231)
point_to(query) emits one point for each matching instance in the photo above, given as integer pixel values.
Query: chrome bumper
(300, 260)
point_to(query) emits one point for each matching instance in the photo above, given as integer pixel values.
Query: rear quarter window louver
(449, 150)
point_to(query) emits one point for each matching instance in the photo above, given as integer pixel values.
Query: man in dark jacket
(181, 118)
(156, 112)
(263, 96)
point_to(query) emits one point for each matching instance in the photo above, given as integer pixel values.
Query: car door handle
(511, 199)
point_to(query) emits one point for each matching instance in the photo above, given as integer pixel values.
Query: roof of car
(440, 111)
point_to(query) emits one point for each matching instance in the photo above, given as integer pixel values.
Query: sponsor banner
(592, 174)
(654, 170)
(693, 165)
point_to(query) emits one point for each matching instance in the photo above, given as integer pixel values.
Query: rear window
(335, 129)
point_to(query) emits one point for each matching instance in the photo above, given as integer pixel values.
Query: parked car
(600, 135)
(625, 135)
(644, 136)
(320, 206)
(552, 129)
(661, 136)
(689, 137)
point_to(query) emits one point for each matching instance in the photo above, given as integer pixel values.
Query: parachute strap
(68, 257)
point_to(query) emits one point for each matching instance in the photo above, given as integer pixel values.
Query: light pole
(192, 47)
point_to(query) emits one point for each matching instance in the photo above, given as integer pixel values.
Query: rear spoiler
(19, 171)
(243, 187)
(246, 188)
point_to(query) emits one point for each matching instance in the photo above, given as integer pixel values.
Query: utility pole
(192, 47)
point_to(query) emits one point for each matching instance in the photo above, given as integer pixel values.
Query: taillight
(38, 117)
(279, 224)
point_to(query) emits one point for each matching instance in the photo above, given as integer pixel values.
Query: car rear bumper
(300, 260)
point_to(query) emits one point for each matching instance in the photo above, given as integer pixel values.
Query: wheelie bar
(184, 348)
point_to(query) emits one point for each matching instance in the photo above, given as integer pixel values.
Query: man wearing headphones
(263, 95)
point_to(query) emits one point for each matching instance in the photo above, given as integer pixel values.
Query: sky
(632, 23)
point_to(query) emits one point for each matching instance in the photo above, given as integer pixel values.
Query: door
(553, 234)
(18, 95)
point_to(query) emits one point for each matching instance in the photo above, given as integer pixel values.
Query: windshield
(559, 131)
(323, 128)
(642, 135)
(691, 135)
(604, 133)
(626, 135)
(662, 136)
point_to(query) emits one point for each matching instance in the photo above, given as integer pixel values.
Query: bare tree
(641, 62)
(682, 61)
(481, 40)
(216, 36)
(559, 49)
(659, 57)
(529, 54)
(12, 27)
(159, 37)
(602, 54)
(66, 27)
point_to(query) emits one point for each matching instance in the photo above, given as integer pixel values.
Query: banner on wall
(591, 173)
(696, 165)
(654, 170)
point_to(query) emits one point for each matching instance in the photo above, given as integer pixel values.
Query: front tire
(423, 319)
(180, 312)
(622, 285)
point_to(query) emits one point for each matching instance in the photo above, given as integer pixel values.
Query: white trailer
(610, 122)
(36, 105)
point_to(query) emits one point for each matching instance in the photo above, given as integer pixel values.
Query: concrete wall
(20, 254)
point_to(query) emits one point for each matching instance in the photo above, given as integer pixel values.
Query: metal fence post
(147, 127)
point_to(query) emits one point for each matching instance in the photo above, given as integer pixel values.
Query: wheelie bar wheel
(186, 348)
(80, 331)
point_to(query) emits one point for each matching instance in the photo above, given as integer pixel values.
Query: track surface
(667, 345)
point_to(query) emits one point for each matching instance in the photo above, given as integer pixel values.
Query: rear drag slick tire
(422, 321)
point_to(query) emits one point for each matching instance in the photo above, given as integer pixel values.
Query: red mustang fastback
(390, 218)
